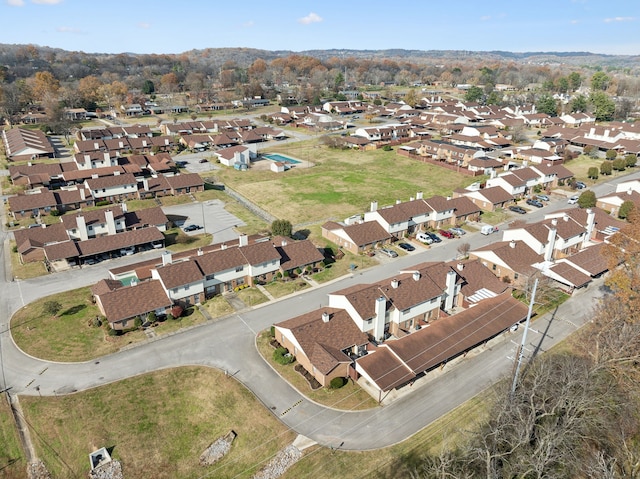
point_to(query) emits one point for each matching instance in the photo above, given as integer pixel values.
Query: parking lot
(211, 215)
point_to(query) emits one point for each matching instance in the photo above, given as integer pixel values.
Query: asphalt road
(229, 345)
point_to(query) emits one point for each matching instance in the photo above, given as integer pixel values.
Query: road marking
(246, 324)
(297, 403)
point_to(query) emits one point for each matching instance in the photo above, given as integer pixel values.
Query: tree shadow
(73, 310)
(302, 234)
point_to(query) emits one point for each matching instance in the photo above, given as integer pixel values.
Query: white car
(573, 200)
(424, 238)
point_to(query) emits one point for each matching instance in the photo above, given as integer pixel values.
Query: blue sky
(161, 26)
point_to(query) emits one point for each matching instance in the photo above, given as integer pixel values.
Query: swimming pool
(281, 158)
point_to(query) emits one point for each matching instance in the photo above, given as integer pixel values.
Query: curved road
(229, 345)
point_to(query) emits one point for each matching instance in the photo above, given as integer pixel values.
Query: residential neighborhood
(361, 244)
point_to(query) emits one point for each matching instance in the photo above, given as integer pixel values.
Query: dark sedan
(407, 247)
(535, 203)
(517, 209)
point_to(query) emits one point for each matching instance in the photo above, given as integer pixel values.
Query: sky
(162, 26)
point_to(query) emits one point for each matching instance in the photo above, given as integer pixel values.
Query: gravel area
(37, 470)
(286, 458)
(217, 449)
(110, 470)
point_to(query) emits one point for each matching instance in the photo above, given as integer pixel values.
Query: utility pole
(524, 338)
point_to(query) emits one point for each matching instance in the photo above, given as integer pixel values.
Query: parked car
(407, 247)
(517, 209)
(580, 185)
(157, 245)
(435, 238)
(446, 234)
(457, 231)
(488, 229)
(203, 160)
(128, 251)
(535, 203)
(389, 252)
(573, 200)
(424, 238)
(542, 197)
(192, 228)
(91, 261)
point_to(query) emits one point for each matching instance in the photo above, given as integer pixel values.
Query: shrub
(151, 317)
(137, 322)
(606, 168)
(176, 311)
(14, 249)
(272, 331)
(337, 383)
(387, 148)
(282, 356)
(113, 332)
(631, 160)
(55, 212)
(102, 203)
(298, 271)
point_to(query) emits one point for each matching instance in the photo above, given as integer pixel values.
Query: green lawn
(342, 182)
(158, 425)
(277, 289)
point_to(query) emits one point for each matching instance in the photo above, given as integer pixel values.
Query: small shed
(278, 166)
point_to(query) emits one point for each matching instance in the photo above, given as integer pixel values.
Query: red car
(446, 234)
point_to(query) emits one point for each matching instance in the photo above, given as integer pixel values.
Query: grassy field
(342, 182)
(12, 460)
(158, 425)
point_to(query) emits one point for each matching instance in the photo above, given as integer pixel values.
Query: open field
(158, 425)
(12, 461)
(342, 182)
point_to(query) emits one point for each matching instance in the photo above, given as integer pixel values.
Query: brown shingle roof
(135, 300)
(298, 254)
(178, 274)
(32, 201)
(185, 180)
(366, 233)
(323, 342)
(258, 253)
(570, 274)
(591, 260)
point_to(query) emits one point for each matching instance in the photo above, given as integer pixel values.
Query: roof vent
(325, 317)
(416, 275)
(512, 244)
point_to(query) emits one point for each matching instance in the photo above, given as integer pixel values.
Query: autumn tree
(44, 84)
(89, 89)
(623, 252)
(169, 82)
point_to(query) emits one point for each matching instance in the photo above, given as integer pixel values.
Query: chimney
(460, 266)
(82, 194)
(325, 317)
(591, 222)
(116, 173)
(243, 240)
(284, 242)
(395, 283)
(145, 184)
(124, 207)
(379, 320)
(166, 258)
(223, 246)
(551, 243)
(419, 195)
(565, 217)
(512, 244)
(416, 275)
(398, 202)
(554, 222)
(81, 224)
(450, 291)
(411, 198)
(374, 206)
(111, 224)
(200, 252)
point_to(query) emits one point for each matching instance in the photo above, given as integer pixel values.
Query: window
(493, 267)
(239, 269)
(515, 275)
